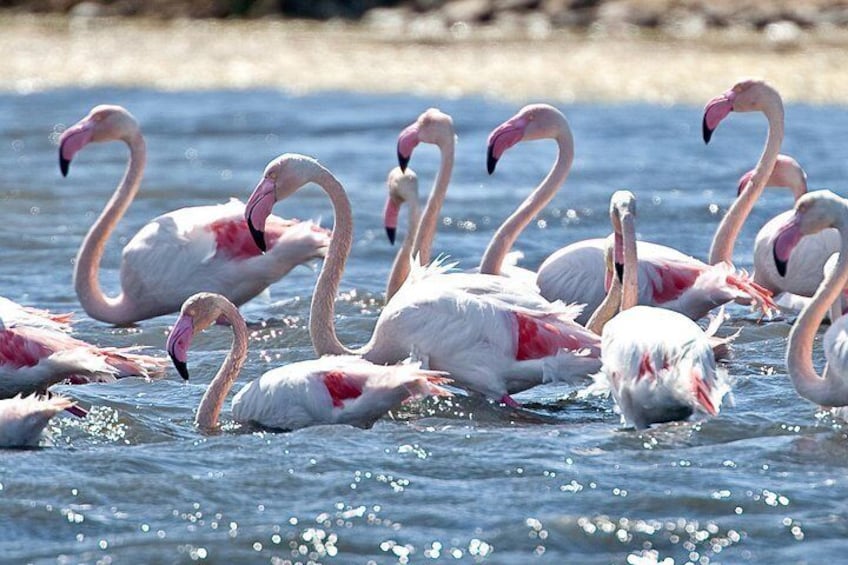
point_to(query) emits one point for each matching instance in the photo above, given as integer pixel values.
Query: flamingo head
(536, 121)
(403, 187)
(199, 311)
(432, 126)
(787, 173)
(282, 177)
(622, 212)
(745, 96)
(814, 212)
(103, 123)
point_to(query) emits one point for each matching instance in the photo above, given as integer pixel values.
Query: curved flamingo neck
(213, 399)
(830, 390)
(730, 226)
(401, 265)
(512, 227)
(322, 328)
(117, 309)
(430, 218)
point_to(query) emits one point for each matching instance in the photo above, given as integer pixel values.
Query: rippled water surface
(457, 481)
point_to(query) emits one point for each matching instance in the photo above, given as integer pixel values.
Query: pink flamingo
(403, 187)
(330, 390)
(34, 358)
(481, 337)
(658, 363)
(575, 273)
(806, 274)
(814, 212)
(178, 253)
(22, 419)
(436, 127)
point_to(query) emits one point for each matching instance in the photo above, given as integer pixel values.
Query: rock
(783, 34)
(467, 11)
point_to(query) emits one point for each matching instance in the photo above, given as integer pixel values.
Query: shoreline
(47, 52)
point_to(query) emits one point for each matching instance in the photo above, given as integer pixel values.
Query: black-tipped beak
(181, 366)
(619, 271)
(64, 164)
(403, 162)
(391, 233)
(705, 129)
(258, 236)
(491, 160)
(781, 265)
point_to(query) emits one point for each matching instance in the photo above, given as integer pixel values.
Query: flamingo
(22, 419)
(658, 363)
(178, 253)
(478, 333)
(575, 273)
(33, 358)
(806, 275)
(403, 187)
(435, 127)
(330, 390)
(813, 213)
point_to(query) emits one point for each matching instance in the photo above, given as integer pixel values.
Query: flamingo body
(667, 278)
(660, 367)
(12, 313)
(486, 331)
(32, 359)
(209, 248)
(22, 419)
(331, 390)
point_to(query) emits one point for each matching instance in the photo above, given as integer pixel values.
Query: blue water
(460, 481)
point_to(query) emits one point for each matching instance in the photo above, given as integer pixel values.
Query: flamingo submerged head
(282, 177)
(198, 313)
(746, 96)
(432, 126)
(536, 121)
(814, 212)
(403, 187)
(103, 123)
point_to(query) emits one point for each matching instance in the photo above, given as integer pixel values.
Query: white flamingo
(181, 252)
(806, 272)
(658, 363)
(814, 212)
(330, 390)
(476, 333)
(403, 188)
(22, 419)
(575, 273)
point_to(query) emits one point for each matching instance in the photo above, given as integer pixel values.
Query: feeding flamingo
(330, 390)
(806, 275)
(22, 419)
(181, 252)
(475, 332)
(658, 363)
(814, 212)
(575, 273)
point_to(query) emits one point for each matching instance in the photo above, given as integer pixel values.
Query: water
(463, 481)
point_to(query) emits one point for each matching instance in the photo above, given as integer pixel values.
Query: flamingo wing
(22, 419)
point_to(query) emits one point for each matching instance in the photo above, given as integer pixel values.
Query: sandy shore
(49, 52)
